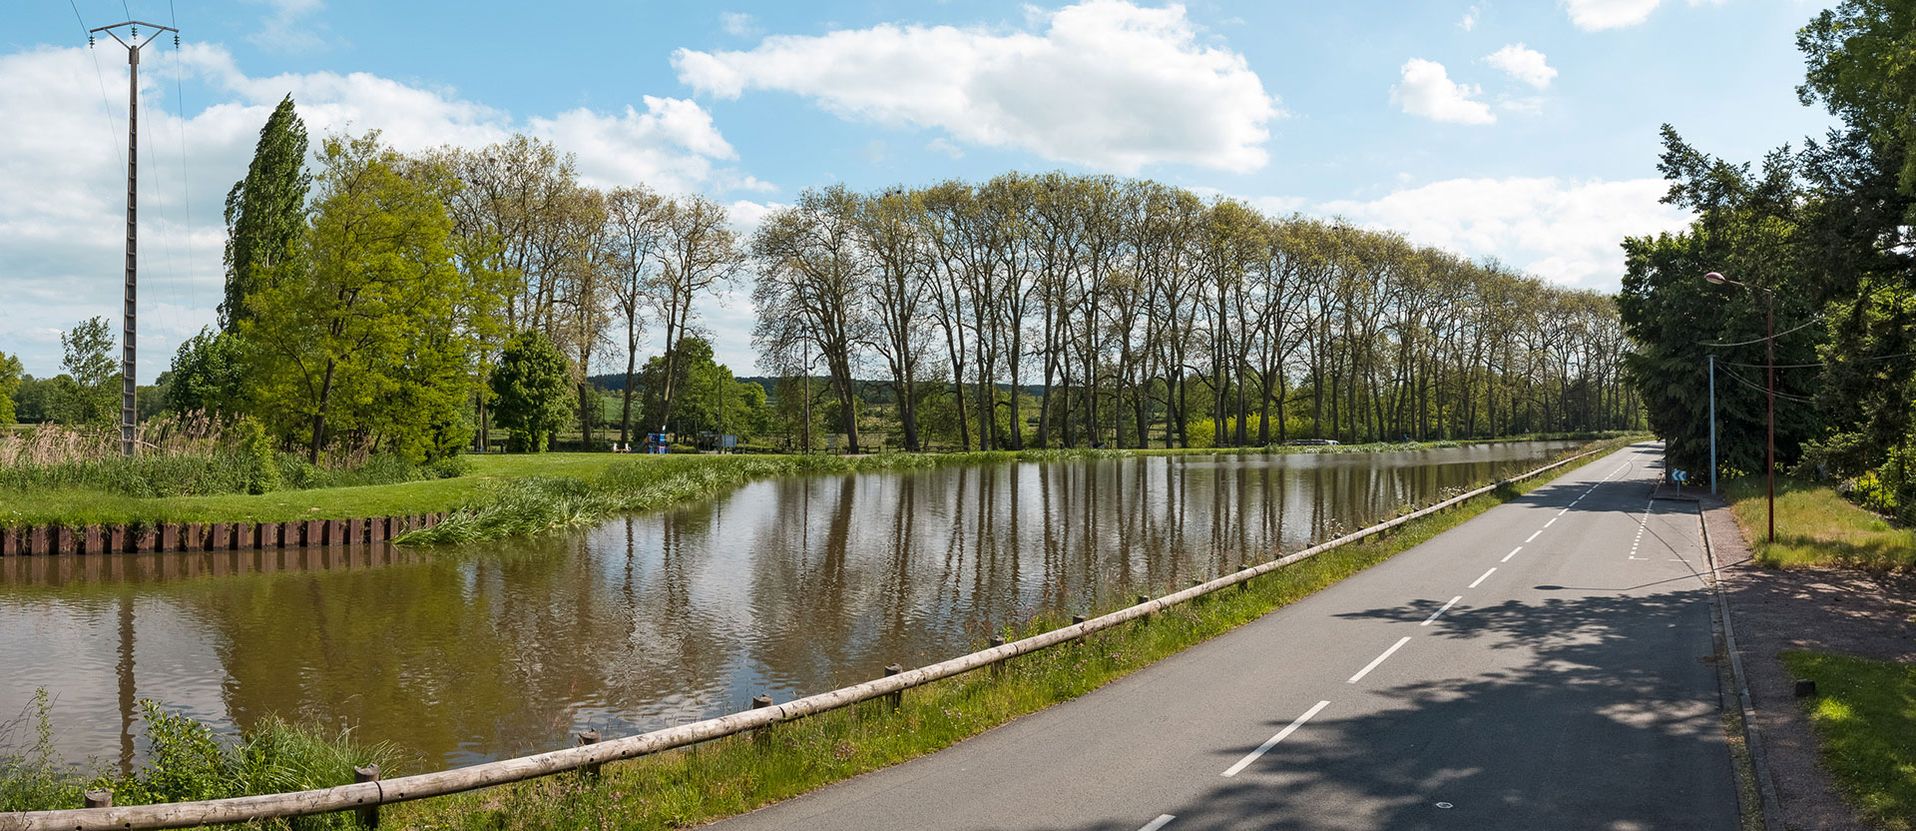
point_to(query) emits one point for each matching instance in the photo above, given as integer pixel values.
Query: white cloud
(1103, 83)
(738, 24)
(287, 28)
(1524, 64)
(1596, 15)
(941, 145)
(1469, 21)
(1426, 90)
(62, 182)
(1563, 230)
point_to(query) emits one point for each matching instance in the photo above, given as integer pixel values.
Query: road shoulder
(1823, 610)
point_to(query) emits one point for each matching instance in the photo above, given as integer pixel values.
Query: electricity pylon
(129, 412)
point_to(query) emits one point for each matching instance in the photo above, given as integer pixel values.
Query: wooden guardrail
(366, 796)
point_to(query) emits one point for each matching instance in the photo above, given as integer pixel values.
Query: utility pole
(1713, 424)
(129, 410)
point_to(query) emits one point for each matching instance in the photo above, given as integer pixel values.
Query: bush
(34, 780)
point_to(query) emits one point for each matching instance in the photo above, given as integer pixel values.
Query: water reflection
(788, 586)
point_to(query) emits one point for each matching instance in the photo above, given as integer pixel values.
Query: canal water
(787, 586)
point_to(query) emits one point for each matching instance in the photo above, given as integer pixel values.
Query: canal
(786, 586)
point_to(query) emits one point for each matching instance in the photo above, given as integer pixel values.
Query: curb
(1770, 808)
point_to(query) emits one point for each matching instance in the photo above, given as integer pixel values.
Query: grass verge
(1816, 526)
(1864, 714)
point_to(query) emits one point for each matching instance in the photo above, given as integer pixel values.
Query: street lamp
(1769, 346)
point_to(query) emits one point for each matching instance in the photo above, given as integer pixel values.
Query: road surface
(1545, 665)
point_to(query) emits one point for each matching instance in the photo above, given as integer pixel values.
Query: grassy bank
(490, 483)
(725, 777)
(1864, 713)
(1816, 526)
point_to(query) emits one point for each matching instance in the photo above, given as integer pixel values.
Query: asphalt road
(1543, 666)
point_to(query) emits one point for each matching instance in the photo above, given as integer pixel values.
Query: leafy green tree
(360, 336)
(11, 375)
(208, 373)
(706, 396)
(33, 401)
(90, 391)
(1859, 228)
(265, 212)
(532, 389)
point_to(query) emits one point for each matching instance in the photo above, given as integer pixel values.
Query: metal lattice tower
(129, 411)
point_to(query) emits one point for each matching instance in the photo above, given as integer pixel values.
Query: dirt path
(1826, 610)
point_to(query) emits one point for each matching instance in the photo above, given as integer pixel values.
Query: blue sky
(1524, 132)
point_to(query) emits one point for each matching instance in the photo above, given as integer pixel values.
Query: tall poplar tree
(265, 212)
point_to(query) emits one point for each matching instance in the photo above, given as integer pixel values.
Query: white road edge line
(1445, 608)
(1160, 822)
(1266, 747)
(1533, 536)
(1513, 553)
(1474, 583)
(1378, 660)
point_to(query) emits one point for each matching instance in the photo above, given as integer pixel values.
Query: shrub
(34, 780)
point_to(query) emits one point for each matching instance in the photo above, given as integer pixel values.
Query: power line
(1864, 359)
(1811, 322)
(100, 76)
(1801, 399)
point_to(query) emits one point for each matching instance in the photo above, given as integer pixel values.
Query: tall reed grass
(188, 455)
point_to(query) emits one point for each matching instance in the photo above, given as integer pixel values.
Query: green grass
(1864, 714)
(1816, 526)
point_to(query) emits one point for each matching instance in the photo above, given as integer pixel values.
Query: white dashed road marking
(1272, 742)
(1441, 610)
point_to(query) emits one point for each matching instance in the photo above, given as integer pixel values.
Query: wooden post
(589, 737)
(66, 540)
(1146, 617)
(368, 815)
(99, 799)
(998, 669)
(894, 700)
(762, 736)
(93, 538)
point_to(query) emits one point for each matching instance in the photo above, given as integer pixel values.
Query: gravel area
(1826, 610)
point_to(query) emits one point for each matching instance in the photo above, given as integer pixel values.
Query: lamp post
(1769, 346)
